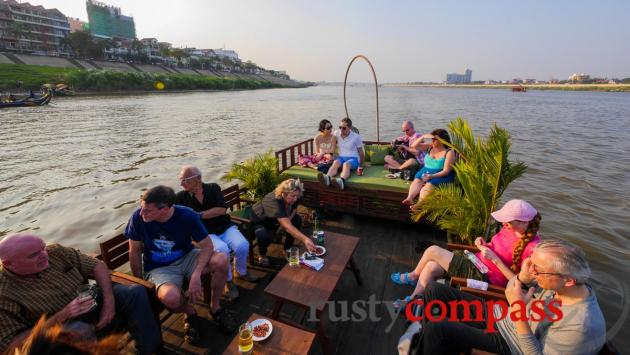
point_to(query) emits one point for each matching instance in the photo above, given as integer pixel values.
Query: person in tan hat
(502, 256)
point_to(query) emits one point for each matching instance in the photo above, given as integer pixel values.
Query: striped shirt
(582, 329)
(23, 300)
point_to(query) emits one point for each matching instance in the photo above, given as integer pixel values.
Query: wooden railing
(288, 157)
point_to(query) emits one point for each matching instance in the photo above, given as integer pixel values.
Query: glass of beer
(294, 257)
(245, 339)
(86, 291)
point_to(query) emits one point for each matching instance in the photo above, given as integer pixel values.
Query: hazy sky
(405, 40)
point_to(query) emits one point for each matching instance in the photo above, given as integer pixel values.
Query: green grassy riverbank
(33, 76)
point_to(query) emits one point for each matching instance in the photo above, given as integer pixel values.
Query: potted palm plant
(259, 175)
(483, 171)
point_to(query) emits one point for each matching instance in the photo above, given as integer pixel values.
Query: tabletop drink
(294, 257)
(406, 174)
(245, 339)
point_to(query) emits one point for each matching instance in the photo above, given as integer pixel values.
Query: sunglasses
(343, 128)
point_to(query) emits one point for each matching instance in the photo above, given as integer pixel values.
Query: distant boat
(28, 101)
(519, 88)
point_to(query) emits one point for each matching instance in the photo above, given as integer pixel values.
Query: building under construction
(107, 21)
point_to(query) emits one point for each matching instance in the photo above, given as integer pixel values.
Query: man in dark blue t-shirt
(164, 233)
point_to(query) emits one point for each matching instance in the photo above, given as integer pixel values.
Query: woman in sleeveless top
(437, 170)
(324, 145)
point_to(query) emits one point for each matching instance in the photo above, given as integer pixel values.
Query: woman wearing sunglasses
(351, 155)
(437, 170)
(324, 145)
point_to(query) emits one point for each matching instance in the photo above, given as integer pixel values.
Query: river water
(72, 171)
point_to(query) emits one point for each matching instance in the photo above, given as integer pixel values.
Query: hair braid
(530, 233)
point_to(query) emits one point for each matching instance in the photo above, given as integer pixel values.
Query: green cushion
(376, 153)
(374, 178)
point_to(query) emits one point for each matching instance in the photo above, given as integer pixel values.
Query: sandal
(402, 279)
(400, 304)
(191, 334)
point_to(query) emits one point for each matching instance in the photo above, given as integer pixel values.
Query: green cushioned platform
(373, 178)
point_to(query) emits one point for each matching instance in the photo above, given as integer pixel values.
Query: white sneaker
(323, 178)
(338, 183)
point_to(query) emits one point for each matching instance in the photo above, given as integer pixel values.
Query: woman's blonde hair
(530, 233)
(288, 186)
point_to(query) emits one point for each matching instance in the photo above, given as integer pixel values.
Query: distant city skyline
(405, 41)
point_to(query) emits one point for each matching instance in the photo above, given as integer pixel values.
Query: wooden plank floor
(385, 247)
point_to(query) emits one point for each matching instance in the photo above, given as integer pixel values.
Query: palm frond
(258, 174)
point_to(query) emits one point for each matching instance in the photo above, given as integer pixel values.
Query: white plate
(322, 253)
(261, 321)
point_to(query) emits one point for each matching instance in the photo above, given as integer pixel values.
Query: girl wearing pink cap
(503, 256)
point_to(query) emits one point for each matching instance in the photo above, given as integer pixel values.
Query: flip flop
(400, 304)
(402, 279)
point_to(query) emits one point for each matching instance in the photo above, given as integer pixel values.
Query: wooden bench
(380, 203)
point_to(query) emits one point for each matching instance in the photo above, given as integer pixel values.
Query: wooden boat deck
(385, 247)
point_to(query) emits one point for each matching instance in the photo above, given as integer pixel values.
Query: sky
(406, 41)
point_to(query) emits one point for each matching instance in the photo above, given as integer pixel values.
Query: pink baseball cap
(515, 210)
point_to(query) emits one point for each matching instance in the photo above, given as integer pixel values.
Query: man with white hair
(207, 200)
(410, 149)
(551, 309)
(38, 279)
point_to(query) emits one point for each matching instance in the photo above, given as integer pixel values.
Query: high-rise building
(465, 78)
(107, 21)
(29, 28)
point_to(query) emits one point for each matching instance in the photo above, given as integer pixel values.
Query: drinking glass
(406, 174)
(86, 291)
(294, 257)
(245, 339)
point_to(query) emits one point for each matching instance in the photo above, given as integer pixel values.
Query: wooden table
(308, 288)
(284, 339)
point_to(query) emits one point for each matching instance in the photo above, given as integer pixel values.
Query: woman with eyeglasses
(279, 208)
(324, 145)
(437, 169)
(502, 256)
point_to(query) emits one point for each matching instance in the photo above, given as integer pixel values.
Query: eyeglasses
(188, 178)
(537, 273)
(406, 130)
(328, 127)
(343, 128)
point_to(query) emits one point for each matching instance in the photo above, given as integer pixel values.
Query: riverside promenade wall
(11, 58)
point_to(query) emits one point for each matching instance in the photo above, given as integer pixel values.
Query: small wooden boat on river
(519, 88)
(28, 101)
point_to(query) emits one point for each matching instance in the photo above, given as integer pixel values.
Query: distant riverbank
(97, 80)
(562, 87)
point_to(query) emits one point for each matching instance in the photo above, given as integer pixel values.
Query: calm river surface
(72, 171)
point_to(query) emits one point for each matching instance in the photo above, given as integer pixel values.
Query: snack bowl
(261, 322)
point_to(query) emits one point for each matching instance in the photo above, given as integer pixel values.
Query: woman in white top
(324, 145)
